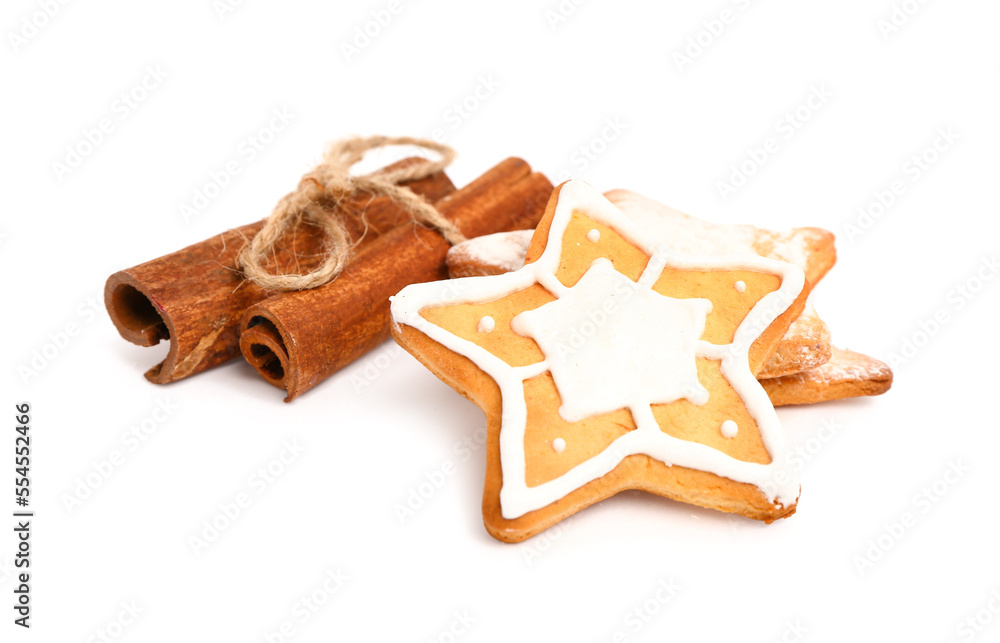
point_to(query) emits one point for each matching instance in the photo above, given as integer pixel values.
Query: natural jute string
(332, 180)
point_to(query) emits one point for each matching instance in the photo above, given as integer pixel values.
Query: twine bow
(332, 180)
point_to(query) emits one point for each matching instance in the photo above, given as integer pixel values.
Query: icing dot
(729, 429)
(558, 445)
(741, 286)
(594, 235)
(486, 325)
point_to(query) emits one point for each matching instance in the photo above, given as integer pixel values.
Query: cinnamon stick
(194, 298)
(297, 339)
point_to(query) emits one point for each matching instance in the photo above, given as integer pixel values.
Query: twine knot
(332, 180)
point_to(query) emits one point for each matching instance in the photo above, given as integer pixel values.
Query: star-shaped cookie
(607, 364)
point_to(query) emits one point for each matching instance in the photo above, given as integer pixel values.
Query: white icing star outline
(778, 481)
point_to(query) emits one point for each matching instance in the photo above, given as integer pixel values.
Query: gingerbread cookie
(609, 362)
(847, 374)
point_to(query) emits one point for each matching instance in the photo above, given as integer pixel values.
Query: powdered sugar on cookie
(505, 250)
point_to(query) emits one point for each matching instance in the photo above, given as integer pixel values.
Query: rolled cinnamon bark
(295, 340)
(194, 298)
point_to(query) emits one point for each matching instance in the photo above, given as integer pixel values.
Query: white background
(557, 84)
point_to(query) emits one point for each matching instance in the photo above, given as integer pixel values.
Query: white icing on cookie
(729, 429)
(559, 445)
(653, 329)
(776, 480)
(594, 235)
(486, 324)
(741, 286)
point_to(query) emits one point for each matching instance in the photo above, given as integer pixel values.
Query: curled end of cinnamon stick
(138, 318)
(263, 346)
(133, 312)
